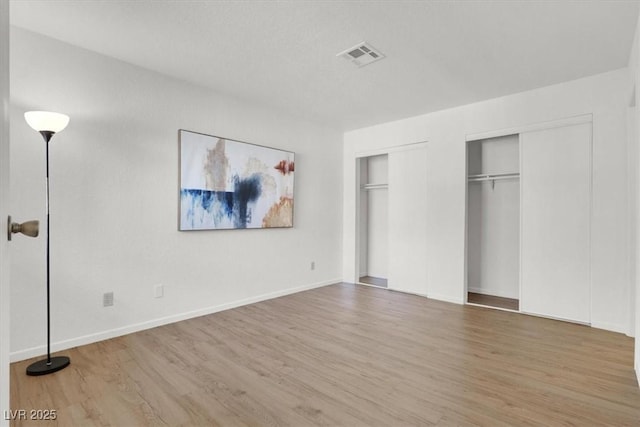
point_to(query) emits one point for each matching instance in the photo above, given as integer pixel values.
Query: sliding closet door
(407, 220)
(556, 211)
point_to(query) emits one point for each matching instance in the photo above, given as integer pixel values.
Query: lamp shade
(46, 121)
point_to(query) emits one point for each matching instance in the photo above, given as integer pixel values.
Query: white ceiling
(282, 54)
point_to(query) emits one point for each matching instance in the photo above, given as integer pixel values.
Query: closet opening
(493, 222)
(373, 220)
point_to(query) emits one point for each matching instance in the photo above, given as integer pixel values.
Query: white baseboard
(613, 327)
(438, 297)
(28, 353)
(446, 298)
(408, 292)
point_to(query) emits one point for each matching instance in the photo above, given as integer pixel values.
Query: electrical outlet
(158, 290)
(313, 265)
(107, 299)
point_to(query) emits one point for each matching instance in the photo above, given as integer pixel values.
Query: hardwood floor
(493, 301)
(344, 355)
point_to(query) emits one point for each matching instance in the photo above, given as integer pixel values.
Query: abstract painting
(227, 184)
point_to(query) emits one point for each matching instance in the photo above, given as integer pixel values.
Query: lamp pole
(47, 137)
(44, 122)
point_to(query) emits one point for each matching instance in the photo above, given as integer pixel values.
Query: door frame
(4, 212)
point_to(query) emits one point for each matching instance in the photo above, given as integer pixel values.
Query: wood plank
(493, 301)
(344, 355)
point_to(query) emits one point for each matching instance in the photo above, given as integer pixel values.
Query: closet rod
(493, 177)
(374, 186)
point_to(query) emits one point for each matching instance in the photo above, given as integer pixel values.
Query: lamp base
(44, 367)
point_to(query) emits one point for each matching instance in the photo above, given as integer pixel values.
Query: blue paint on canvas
(245, 191)
(221, 209)
(204, 208)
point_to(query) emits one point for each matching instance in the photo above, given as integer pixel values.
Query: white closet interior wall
(363, 220)
(374, 218)
(494, 218)
(378, 224)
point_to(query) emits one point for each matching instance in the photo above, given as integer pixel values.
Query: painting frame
(228, 184)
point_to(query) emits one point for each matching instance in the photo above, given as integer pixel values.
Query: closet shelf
(374, 186)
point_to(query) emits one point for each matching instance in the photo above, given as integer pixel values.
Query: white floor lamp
(47, 124)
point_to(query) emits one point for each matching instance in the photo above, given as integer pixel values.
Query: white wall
(605, 96)
(634, 184)
(632, 188)
(4, 199)
(114, 200)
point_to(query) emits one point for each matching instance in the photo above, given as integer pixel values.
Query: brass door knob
(29, 228)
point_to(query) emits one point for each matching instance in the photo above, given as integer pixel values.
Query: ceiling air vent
(361, 54)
